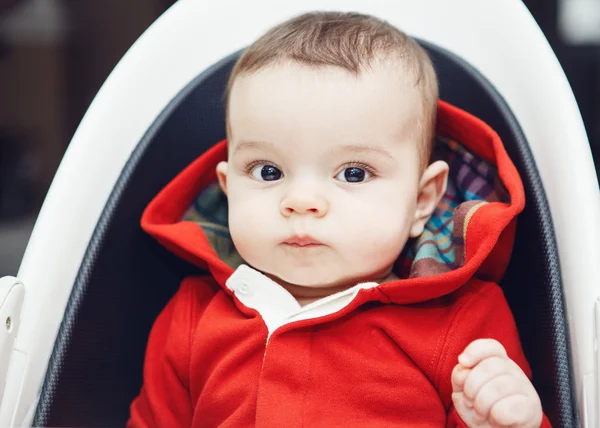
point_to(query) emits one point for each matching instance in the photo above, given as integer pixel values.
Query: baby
(320, 314)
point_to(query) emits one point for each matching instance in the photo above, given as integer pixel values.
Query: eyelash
(256, 162)
(360, 165)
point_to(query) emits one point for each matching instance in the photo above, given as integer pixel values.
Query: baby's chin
(318, 276)
(308, 281)
(311, 279)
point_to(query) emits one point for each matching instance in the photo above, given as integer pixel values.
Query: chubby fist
(491, 390)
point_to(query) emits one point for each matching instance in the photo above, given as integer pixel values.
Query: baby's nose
(304, 202)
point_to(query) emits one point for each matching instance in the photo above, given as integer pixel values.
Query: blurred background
(55, 55)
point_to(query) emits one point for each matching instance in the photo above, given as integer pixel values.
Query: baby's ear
(431, 189)
(222, 175)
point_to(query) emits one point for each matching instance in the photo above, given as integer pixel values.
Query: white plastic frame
(498, 37)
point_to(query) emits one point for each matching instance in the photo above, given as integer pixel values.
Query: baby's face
(323, 172)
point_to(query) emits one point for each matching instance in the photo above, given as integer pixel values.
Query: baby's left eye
(354, 175)
(266, 172)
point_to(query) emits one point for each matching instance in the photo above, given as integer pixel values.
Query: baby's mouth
(302, 241)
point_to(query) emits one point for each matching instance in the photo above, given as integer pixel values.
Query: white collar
(277, 306)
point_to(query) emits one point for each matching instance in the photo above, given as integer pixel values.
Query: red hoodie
(233, 349)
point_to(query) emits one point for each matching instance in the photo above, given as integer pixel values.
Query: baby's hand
(491, 390)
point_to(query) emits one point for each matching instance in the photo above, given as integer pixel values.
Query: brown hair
(351, 41)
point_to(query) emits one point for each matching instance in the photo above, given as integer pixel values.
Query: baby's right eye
(266, 173)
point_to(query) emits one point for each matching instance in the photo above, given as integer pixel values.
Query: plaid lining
(472, 182)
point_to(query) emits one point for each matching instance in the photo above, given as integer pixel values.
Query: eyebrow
(247, 145)
(351, 148)
(360, 148)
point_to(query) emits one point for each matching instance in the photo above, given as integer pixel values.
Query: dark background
(55, 55)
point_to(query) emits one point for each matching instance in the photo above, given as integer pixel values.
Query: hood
(470, 234)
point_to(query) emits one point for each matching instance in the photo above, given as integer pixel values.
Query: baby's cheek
(248, 231)
(383, 249)
(385, 227)
(378, 241)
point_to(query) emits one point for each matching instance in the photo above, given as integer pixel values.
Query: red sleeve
(164, 400)
(483, 313)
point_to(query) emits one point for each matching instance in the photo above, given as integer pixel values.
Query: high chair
(78, 314)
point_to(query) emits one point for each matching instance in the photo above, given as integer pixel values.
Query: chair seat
(126, 278)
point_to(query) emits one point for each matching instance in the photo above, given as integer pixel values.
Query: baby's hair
(351, 41)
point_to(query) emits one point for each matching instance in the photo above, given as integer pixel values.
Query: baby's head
(330, 126)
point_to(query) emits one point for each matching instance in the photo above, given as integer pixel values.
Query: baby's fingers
(459, 376)
(497, 389)
(479, 350)
(484, 372)
(516, 410)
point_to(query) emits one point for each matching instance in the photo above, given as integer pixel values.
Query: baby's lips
(302, 240)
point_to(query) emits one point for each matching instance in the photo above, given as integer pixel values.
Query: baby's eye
(266, 173)
(354, 175)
